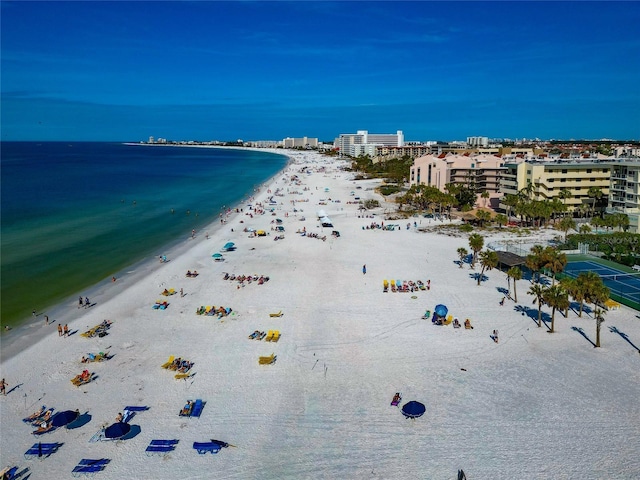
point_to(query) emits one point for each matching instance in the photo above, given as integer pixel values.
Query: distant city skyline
(124, 71)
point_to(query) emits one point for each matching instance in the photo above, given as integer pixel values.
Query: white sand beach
(532, 406)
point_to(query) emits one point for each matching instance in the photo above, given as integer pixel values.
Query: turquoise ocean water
(74, 214)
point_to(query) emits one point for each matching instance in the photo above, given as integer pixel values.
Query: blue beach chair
(86, 470)
(161, 447)
(206, 447)
(197, 408)
(42, 450)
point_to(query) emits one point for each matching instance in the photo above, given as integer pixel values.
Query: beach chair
(168, 362)
(206, 447)
(279, 314)
(269, 336)
(448, 320)
(87, 469)
(161, 447)
(267, 360)
(36, 415)
(172, 291)
(276, 336)
(393, 286)
(41, 450)
(136, 409)
(385, 286)
(198, 406)
(467, 324)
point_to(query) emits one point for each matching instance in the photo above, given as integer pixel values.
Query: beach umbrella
(61, 419)
(229, 245)
(117, 430)
(217, 255)
(413, 409)
(441, 310)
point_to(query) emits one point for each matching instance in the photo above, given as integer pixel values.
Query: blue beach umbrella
(117, 430)
(217, 255)
(441, 310)
(61, 419)
(229, 245)
(413, 409)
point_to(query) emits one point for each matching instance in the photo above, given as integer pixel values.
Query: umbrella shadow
(135, 430)
(15, 388)
(623, 335)
(581, 332)
(81, 421)
(72, 333)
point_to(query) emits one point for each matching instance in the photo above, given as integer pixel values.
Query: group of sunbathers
(246, 278)
(313, 235)
(192, 274)
(41, 419)
(99, 330)
(220, 311)
(407, 286)
(180, 365)
(257, 335)
(91, 357)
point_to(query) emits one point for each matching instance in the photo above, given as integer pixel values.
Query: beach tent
(117, 430)
(413, 409)
(61, 419)
(321, 213)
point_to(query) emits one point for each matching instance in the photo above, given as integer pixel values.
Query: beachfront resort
(325, 330)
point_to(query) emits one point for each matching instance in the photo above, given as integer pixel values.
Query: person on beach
(59, 330)
(46, 319)
(3, 387)
(34, 313)
(66, 330)
(80, 303)
(181, 293)
(87, 303)
(495, 336)
(119, 418)
(364, 269)
(502, 301)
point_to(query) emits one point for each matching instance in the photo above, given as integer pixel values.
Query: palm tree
(539, 292)
(572, 287)
(516, 274)
(563, 195)
(501, 220)
(462, 254)
(557, 299)
(476, 242)
(510, 202)
(596, 194)
(483, 216)
(534, 261)
(584, 229)
(555, 261)
(485, 195)
(566, 224)
(599, 314)
(489, 260)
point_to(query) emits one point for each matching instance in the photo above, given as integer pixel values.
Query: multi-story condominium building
(549, 178)
(624, 192)
(482, 172)
(365, 143)
(478, 141)
(304, 142)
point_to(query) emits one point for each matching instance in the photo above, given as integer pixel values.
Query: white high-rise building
(364, 143)
(478, 141)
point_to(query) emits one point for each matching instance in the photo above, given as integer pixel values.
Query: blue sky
(122, 71)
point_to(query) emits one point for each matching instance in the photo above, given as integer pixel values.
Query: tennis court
(623, 284)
